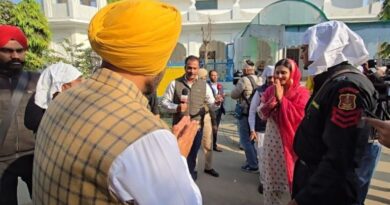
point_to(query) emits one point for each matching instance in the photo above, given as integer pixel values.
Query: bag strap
(253, 84)
(211, 87)
(15, 101)
(334, 76)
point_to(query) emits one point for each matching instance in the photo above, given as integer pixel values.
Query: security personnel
(331, 139)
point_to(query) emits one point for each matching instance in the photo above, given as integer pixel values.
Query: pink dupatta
(287, 115)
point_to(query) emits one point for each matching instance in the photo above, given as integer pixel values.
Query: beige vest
(196, 99)
(82, 133)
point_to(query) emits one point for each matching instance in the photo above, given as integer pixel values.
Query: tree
(5, 11)
(384, 48)
(78, 55)
(385, 12)
(206, 38)
(28, 16)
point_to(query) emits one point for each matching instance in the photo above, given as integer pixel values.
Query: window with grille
(88, 2)
(206, 4)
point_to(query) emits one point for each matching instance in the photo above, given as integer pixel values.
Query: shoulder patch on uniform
(347, 101)
(349, 90)
(344, 118)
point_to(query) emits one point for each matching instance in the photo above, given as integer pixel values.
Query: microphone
(219, 88)
(184, 96)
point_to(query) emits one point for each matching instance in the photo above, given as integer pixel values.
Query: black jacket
(331, 138)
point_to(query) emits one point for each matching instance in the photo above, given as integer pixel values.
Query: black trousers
(21, 167)
(341, 193)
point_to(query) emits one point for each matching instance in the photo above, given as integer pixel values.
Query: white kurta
(152, 171)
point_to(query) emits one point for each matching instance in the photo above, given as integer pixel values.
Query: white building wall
(349, 4)
(71, 19)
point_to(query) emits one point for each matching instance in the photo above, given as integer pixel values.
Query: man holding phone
(382, 128)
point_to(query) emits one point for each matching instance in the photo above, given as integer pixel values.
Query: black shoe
(260, 188)
(217, 149)
(212, 172)
(249, 169)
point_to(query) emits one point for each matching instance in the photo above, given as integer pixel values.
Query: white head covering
(268, 71)
(51, 81)
(331, 43)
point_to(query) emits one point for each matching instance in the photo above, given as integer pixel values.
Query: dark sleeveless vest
(196, 99)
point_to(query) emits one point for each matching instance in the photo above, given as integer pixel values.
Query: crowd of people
(101, 140)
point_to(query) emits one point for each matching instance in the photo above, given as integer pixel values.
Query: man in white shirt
(217, 89)
(199, 95)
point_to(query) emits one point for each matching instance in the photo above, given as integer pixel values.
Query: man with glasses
(16, 141)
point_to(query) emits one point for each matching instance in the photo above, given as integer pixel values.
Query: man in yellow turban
(98, 143)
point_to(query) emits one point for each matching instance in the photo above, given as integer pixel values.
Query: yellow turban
(136, 35)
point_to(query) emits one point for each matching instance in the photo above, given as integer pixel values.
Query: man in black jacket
(17, 143)
(331, 139)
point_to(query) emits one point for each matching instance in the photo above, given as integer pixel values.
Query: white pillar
(327, 5)
(101, 3)
(72, 6)
(192, 4)
(48, 8)
(236, 10)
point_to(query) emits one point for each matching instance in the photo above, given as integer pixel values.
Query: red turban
(8, 33)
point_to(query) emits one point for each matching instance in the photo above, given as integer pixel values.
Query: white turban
(268, 71)
(331, 43)
(51, 81)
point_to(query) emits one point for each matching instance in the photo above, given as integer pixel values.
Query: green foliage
(384, 50)
(385, 12)
(112, 1)
(78, 55)
(5, 11)
(28, 16)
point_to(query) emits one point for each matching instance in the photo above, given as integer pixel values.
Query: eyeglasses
(12, 50)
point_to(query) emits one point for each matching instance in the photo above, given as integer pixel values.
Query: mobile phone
(373, 132)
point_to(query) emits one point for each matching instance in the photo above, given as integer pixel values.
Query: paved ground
(235, 187)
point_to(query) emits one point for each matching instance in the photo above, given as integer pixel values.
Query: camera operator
(243, 93)
(237, 76)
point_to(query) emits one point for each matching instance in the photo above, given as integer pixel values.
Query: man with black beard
(16, 141)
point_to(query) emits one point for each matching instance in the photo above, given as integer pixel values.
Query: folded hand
(185, 132)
